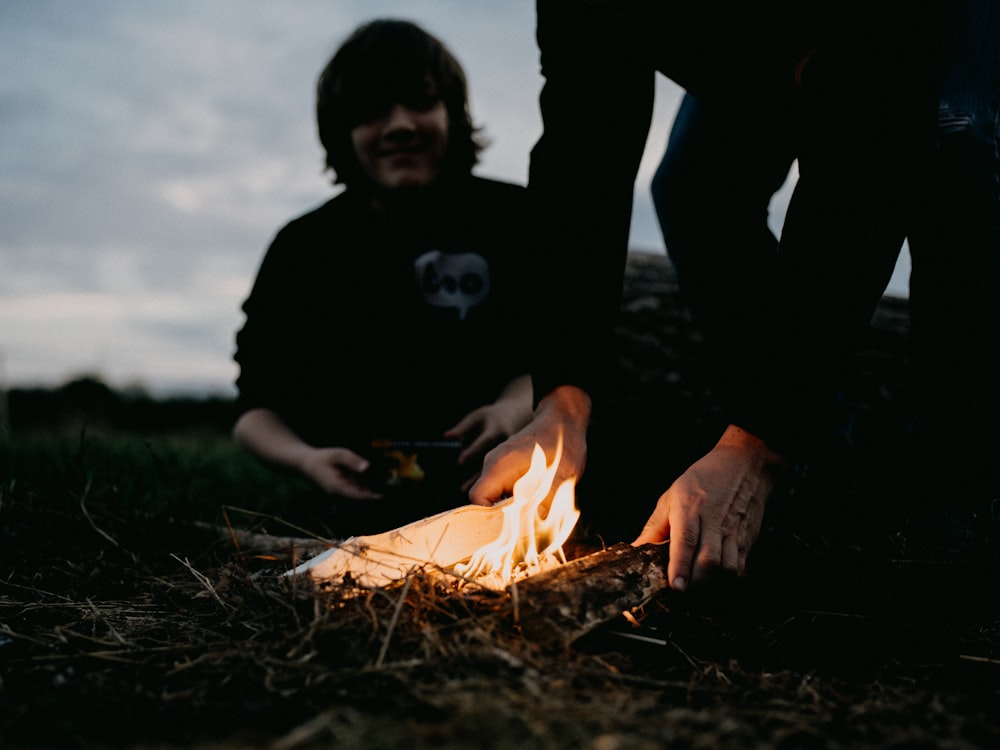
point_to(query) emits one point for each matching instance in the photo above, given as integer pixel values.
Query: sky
(152, 149)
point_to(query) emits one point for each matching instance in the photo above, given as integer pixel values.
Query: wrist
(736, 437)
(570, 403)
(300, 458)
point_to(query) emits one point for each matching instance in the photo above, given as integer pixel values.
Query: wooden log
(558, 606)
(252, 542)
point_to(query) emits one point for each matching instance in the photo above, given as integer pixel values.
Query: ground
(128, 621)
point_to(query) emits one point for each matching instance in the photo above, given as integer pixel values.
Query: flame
(528, 543)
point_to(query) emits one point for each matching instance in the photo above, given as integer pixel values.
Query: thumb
(657, 528)
(351, 461)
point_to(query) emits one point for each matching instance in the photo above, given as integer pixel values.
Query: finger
(708, 559)
(349, 460)
(358, 465)
(486, 440)
(657, 528)
(354, 492)
(684, 534)
(467, 484)
(465, 425)
(458, 431)
(473, 451)
(746, 534)
(731, 557)
(336, 484)
(502, 467)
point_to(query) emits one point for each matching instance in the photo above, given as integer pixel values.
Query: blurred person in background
(383, 349)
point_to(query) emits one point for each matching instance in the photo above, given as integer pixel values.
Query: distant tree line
(89, 403)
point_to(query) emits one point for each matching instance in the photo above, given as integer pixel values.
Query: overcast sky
(151, 149)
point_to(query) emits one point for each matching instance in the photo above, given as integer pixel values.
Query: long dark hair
(383, 62)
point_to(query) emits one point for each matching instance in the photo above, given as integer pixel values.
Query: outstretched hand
(488, 426)
(338, 471)
(712, 513)
(561, 415)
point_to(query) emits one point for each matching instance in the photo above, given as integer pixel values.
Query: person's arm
(335, 470)
(596, 106)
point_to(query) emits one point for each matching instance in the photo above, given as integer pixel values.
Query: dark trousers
(857, 114)
(712, 192)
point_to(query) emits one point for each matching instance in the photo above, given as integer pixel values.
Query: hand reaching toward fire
(712, 513)
(562, 414)
(485, 427)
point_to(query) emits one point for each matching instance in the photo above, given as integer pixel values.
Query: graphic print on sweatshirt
(459, 280)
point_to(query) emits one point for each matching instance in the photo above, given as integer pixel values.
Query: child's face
(404, 146)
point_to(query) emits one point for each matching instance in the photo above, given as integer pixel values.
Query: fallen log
(558, 606)
(251, 542)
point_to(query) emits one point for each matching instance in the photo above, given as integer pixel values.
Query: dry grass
(128, 620)
(144, 634)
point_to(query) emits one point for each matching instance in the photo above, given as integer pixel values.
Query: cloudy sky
(151, 149)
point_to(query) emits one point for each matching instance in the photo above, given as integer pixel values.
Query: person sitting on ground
(382, 353)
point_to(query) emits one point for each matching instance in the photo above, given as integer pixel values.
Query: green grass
(182, 477)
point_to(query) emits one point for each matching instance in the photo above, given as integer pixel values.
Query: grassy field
(169, 477)
(131, 618)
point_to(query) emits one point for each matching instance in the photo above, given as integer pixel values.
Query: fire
(489, 546)
(527, 543)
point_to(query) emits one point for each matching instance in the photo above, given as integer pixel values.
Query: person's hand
(712, 513)
(480, 430)
(561, 415)
(488, 426)
(337, 471)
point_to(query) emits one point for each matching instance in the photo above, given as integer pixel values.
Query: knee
(679, 200)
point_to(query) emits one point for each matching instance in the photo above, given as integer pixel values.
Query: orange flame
(528, 543)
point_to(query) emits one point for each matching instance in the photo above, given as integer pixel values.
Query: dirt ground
(860, 624)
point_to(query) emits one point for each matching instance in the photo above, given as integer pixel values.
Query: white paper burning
(487, 545)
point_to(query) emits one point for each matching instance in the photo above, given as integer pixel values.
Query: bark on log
(559, 606)
(255, 543)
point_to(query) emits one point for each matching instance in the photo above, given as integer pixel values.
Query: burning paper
(490, 546)
(527, 543)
